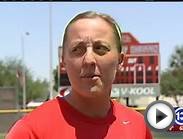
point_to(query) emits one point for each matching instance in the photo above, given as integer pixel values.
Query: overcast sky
(147, 21)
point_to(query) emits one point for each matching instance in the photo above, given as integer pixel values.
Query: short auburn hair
(107, 18)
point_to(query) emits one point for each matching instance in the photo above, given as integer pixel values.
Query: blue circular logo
(179, 116)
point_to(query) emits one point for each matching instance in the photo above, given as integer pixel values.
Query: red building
(141, 63)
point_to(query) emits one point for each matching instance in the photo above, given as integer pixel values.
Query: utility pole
(50, 50)
(24, 69)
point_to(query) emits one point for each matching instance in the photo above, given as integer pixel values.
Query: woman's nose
(89, 57)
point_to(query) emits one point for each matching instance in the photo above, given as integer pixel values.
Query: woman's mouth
(92, 76)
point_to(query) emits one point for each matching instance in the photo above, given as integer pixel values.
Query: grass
(2, 136)
(168, 135)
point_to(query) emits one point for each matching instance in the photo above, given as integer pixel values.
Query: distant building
(8, 98)
(8, 101)
(141, 63)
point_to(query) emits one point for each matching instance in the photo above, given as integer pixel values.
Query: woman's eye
(101, 49)
(78, 50)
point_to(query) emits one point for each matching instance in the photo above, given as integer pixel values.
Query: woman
(91, 56)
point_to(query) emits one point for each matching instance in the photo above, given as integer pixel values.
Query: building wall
(7, 101)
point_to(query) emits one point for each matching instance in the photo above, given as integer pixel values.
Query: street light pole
(50, 50)
(23, 70)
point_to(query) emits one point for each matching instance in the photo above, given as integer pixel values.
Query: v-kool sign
(124, 90)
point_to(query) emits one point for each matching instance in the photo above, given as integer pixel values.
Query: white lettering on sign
(139, 91)
(134, 91)
(115, 92)
(153, 49)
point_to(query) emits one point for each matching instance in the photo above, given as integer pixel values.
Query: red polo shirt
(57, 119)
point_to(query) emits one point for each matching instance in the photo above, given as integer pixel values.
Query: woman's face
(91, 57)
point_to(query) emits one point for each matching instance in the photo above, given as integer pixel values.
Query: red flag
(19, 76)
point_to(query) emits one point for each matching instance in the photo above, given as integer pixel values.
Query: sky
(148, 21)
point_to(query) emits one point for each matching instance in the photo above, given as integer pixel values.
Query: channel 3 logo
(179, 116)
(178, 125)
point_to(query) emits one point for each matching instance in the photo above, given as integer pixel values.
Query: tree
(176, 60)
(11, 68)
(172, 79)
(172, 84)
(37, 89)
(56, 83)
(8, 71)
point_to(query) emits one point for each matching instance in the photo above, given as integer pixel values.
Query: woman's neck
(97, 107)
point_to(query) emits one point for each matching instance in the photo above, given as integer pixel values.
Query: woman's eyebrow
(102, 42)
(76, 42)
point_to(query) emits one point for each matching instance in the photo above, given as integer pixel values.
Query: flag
(19, 75)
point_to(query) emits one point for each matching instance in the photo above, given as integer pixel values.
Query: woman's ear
(120, 61)
(62, 60)
(121, 58)
(62, 64)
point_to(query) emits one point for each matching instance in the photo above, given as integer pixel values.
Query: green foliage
(35, 88)
(8, 71)
(172, 82)
(176, 60)
(172, 79)
(56, 83)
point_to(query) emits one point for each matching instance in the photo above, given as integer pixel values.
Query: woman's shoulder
(126, 112)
